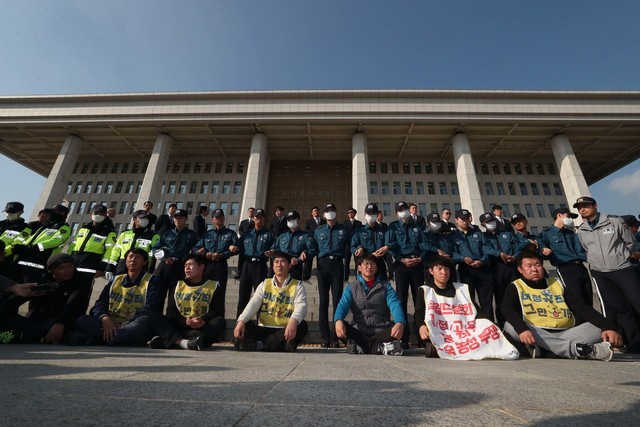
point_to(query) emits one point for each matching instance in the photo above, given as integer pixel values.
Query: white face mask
(490, 226)
(143, 222)
(568, 222)
(330, 215)
(435, 227)
(97, 218)
(292, 223)
(371, 220)
(12, 216)
(404, 215)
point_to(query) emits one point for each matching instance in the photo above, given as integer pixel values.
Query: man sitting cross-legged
(373, 302)
(281, 304)
(543, 316)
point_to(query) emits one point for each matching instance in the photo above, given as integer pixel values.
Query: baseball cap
(518, 217)
(555, 213)
(463, 214)
(292, 215)
(486, 217)
(330, 206)
(433, 218)
(216, 213)
(400, 206)
(371, 209)
(141, 214)
(14, 207)
(180, 212)
(584, 199)
(61, 208)
(259, 212)
(99, 209)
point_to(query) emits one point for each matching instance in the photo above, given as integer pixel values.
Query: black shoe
(78, 338)
(353, 348)
(236, 277)
(336, 344)
(156, 342)
(326, 343)
(196, 344)
(430, 350)
(245, 345)
(291, 346)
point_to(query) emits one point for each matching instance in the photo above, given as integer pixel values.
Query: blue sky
(87, 46)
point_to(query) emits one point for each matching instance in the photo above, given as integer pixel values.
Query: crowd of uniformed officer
(484, 259)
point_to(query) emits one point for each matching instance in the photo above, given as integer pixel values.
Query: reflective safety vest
(127, 240)
(277, 303)
(86, 241)
(124, 303)
(545, 308)
(12, 231)
(194, 301)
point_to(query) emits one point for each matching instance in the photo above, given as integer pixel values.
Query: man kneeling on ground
(373, 302)
(281, 304)
(194, 318)
(542, 316)
(117, 316)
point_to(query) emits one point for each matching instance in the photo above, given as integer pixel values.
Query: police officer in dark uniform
(369, 240)
(505, 246)
(352, 224)
(406, 242)
(253, 246)
(438, 235)
(312, 223)
(296, 243)
(519, 223)
(563, 249)
(245, 225)
(215, 245)
(330, 240)
(471, 253)
(172, 249)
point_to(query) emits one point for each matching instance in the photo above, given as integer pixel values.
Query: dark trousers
(135, 333)
(296, 271)
(480, 281)
(503, 275)
(169, 275)
(28, 330)
(330, 278)
(308, 266)
(347, 263)
(253, 272)
(273, 338)
(408, 279)
(369, 343)
(576, 280)
(620, 295)
(218, 271)
(170, 332)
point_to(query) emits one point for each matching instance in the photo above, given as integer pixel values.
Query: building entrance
(299, 186)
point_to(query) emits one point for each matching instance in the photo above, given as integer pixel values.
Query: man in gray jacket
(610, 247)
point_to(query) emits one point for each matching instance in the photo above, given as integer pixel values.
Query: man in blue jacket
(373, 304)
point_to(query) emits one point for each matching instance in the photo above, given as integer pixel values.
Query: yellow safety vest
(194, 301)
(545, 308)
(277, 303)
(124, 303)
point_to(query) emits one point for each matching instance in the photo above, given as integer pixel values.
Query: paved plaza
(57, 385)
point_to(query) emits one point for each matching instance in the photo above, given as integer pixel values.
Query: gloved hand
(108, 275)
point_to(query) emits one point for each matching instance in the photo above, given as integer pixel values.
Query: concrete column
(359, 172)
(255, 184)
(56, 185)
(470, 196)
(571, 175)
(152, 183)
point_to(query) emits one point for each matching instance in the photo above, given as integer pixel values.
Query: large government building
(528, 151)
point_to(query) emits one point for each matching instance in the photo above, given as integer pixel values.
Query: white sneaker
(392, 348)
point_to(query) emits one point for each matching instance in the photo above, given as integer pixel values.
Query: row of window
(176, 167)
(102, 187)
(440, 168)
(204, 187)
(445, 188)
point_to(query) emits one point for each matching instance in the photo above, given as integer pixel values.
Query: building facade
(531, 152)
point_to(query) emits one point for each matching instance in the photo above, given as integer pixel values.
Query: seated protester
(543, 316)
(194, 318)
(54, 304)
(446, 314)
(281, 304)
(140, 236)
(373, 302)
(117, 316)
